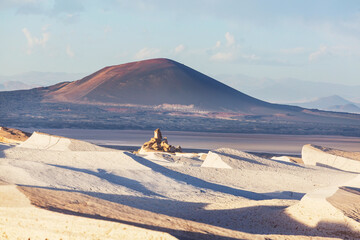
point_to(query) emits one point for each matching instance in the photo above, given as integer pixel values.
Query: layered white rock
(315, 210)
(316, 155)
(45, 141)
(214, 160)
(288, 159)
(56, 150)
(234, 189)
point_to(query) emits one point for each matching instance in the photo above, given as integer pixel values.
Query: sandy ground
(166, 195)
(21, 220)
(347, 200)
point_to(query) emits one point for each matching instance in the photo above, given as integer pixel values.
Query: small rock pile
(159, 144)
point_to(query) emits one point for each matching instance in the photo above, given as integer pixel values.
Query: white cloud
(231, 52)
(226, 52)
(34, 41)
(179, 48)
(321, 51)
(147, 53)
(230, 40)
(222, 56)
(69, 51)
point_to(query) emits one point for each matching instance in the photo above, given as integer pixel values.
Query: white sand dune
(44, 141)
(250, 198)
(317, 155)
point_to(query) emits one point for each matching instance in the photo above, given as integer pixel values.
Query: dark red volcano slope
(158, 81)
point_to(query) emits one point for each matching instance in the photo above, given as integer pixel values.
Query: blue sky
(308, 40)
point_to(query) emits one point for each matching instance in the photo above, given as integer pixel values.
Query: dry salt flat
(222, 194)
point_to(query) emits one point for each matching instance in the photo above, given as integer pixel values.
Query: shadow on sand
(197, 182)
(260, 219)
(115, 179)
(2, 149)
(240, 158)
(264, 220)
(259, 163)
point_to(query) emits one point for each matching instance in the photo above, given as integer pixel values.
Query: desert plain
(55, 187)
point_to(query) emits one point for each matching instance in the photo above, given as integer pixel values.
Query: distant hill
(332, 103)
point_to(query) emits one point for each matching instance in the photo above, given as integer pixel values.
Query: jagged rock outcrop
(159, 144)
(12, 135)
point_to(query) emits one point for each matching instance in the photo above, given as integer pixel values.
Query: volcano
(155, 82)
(162, 93)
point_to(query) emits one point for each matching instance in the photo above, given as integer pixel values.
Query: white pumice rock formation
(333, 158)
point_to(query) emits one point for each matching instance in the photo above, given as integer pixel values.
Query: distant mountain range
(30, 80)
(15, 85)
(162, 93)
(289, 89)
(332, 103)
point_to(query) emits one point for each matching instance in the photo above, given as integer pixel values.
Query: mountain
(289, 89)
(30, 80)
(15, 85)
(332, 103)
(350, 108)
(155, 82)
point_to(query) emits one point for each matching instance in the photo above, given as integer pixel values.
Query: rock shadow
(264, 220)
(115, 179)
(334, 168)
(288, 195)
(197, 182)
(179, 234)
(271, 220)
(2, 150)
(239, 158)
(256, 162)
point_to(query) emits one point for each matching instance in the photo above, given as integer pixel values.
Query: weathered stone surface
(159, 144)
(12, 135)
(334, 158)
(157, 134)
